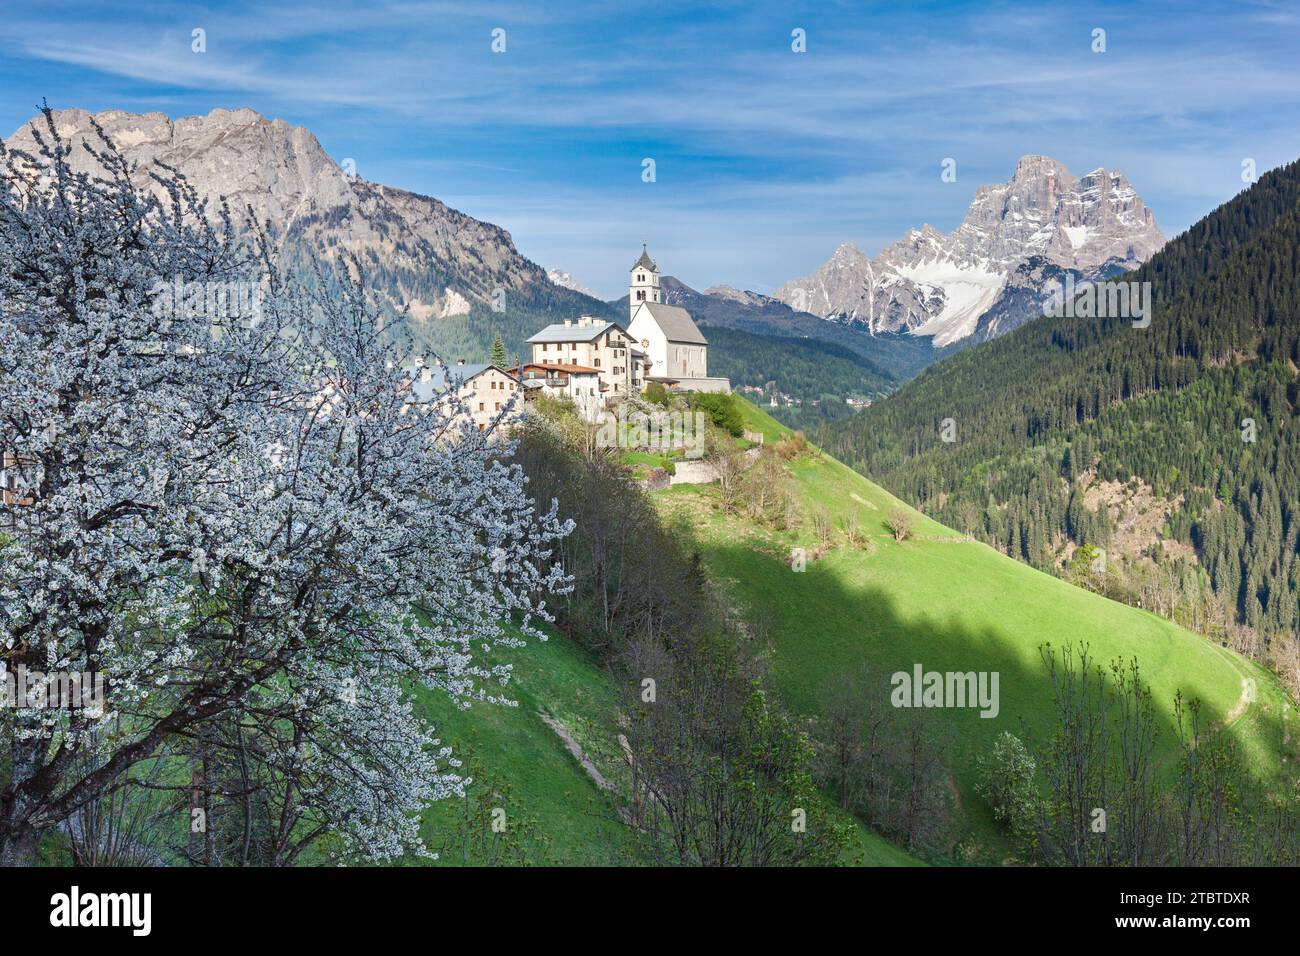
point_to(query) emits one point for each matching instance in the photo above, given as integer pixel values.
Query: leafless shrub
(899, 521)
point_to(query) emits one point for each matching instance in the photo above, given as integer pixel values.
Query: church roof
(645, 262)
(675, 322)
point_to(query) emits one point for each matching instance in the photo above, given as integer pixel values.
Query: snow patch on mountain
(967, 293)
(566, 281)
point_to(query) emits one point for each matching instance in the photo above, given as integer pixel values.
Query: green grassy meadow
(570, 820)
(950, 604)
(566, 818)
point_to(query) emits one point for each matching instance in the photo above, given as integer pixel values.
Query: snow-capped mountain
(995, 270)
(424, 256)
(566, 281)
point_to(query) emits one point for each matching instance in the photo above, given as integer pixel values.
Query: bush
(1006, 781)
(899, 521)
(656, 393)
(722, 409)
(792, 446)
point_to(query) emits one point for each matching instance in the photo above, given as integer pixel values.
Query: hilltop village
(594, 362)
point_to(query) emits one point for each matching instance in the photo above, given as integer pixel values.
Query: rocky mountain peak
(1039, 225)
(566, 281)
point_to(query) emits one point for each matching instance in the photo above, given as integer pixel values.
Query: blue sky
(766, 159)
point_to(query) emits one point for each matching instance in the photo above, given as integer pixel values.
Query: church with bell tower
(659, 343)
(676, 352)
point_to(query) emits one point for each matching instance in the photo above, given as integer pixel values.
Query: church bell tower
(643, 283)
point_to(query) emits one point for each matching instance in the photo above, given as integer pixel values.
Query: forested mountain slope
(1171, 445)
(809, 381)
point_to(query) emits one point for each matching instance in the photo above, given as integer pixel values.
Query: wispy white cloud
(767, 159)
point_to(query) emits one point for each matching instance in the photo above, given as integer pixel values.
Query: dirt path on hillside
(1249, 691)
(575, 748)
(587, 764)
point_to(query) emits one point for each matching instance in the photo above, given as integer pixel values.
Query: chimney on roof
(568, 322)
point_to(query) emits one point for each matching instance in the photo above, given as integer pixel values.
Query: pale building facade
(13, 481)
(671, 340)
(676, 352)
(643, 285)
(577, 383)
(485, 391)
(591, 343)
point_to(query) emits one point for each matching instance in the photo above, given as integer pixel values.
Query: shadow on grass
(819, 627)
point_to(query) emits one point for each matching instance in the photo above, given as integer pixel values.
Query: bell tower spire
(643, 283)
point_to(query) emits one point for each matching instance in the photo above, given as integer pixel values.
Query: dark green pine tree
(499, 352)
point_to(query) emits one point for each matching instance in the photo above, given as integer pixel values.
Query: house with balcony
(577, 383)
(590, 342)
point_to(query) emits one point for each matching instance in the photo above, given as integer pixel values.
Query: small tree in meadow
(900, 523)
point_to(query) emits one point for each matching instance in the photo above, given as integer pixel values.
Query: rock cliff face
(994, 271)
(434, 260)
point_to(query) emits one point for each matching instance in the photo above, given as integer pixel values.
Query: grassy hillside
(951, 604)
(555, 813)
(938, 599)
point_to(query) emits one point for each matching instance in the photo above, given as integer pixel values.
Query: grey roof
(676, 323)
(424, 391)
(559, 332)
(645, 262)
